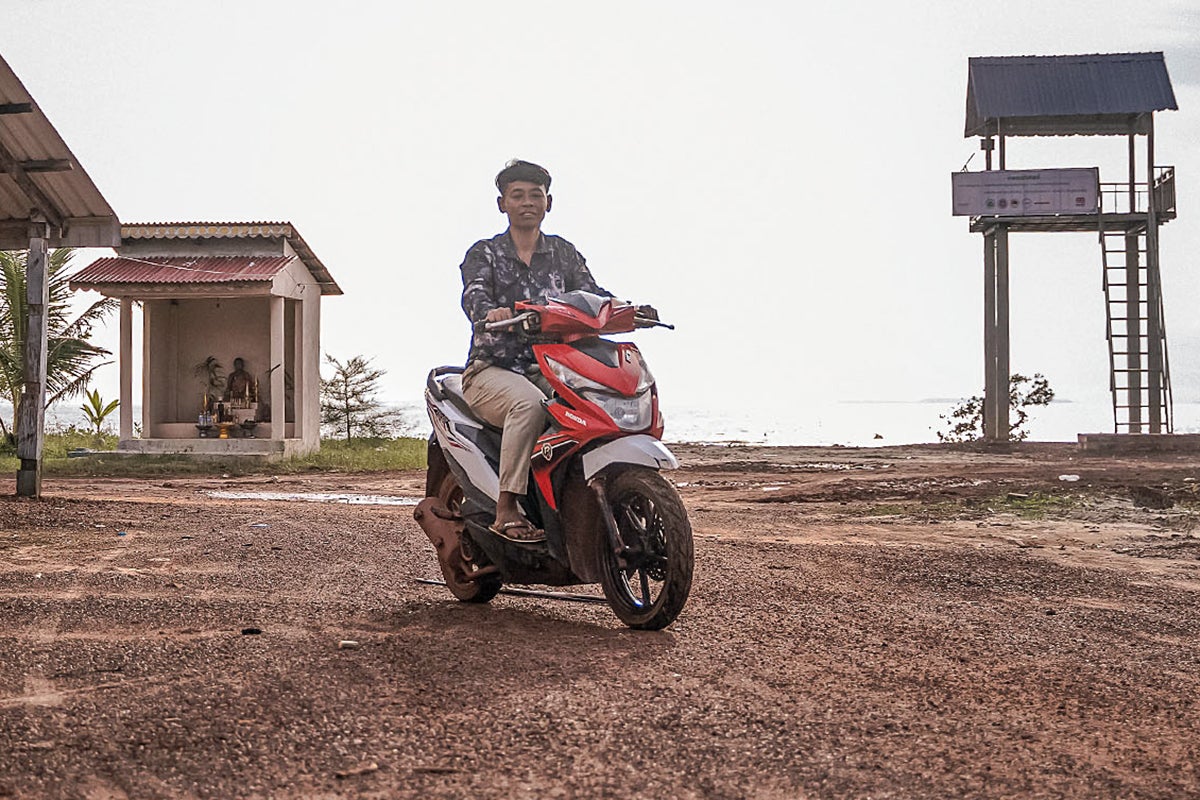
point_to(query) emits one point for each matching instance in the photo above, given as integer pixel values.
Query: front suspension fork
(615, 542)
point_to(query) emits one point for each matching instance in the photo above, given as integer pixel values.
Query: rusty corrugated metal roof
(237, 230)
(206, 230)
(38, 170)
(1054, 95)
(164, 270)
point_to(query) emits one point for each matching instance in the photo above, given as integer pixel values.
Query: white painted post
(312, 345)
(278, 398)
(299, 395)
(31, 414)
(126, 362)
(149, 421)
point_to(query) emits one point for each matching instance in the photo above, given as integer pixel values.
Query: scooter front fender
(638, 449)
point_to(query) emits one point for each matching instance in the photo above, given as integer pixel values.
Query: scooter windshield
(587, 302)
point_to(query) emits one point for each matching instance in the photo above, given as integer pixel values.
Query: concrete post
(278, 392)
(126, 364)
(300, 378)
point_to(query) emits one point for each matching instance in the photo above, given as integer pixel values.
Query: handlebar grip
(646, 322)
(491, 327)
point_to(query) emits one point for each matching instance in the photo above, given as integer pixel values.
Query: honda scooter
(596, 491)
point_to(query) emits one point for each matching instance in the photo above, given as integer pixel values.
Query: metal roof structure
(176, 270)
(39, 173)
(212, 232)
(1086, 95)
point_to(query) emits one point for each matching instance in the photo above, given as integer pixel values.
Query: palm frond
(82, 325)
(71, 360)
(75, 388)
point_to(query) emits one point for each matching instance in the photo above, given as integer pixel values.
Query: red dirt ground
(884, 623)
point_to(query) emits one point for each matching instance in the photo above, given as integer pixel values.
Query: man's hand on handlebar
(502, 319)
(647, 312)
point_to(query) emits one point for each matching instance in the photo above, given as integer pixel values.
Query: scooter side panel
(456, 434)
(640, 449)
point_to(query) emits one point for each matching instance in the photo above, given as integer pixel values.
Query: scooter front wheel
(459, 581)
(648, 582)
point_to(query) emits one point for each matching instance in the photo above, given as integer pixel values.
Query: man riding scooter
(501, 382)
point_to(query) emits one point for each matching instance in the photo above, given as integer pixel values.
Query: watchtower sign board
(1026, 192)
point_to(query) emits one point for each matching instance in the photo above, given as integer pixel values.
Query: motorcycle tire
(650, 590)
(480, 590)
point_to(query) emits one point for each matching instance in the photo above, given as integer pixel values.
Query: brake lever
(512, 322)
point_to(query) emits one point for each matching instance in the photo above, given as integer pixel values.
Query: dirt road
(885, 623)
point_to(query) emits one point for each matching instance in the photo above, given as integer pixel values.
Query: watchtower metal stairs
(1139, 371)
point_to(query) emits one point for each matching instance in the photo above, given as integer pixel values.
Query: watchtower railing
(1115, 197)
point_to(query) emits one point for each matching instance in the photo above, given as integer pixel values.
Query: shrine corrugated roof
(1107, 93)
(131, 232)
(176, 270)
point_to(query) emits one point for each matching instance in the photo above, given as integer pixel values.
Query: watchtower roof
(1081, 95)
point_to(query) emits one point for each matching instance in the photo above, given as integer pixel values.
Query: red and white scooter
(609, 516)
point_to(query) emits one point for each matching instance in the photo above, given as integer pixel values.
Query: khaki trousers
(512, 402)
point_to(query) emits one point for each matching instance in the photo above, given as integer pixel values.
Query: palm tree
(70, 358)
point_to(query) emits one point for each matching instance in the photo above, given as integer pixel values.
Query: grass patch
(361, 455)
(917, 510)
(887, 510)
(358, 455)
(1036, 505)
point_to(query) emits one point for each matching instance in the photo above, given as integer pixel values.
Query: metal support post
(1002, 360)
(995, 335)
(1155, 338)
(1133, 333)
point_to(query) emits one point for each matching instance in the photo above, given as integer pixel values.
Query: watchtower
(1082, 95)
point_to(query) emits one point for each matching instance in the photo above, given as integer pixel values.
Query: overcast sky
(773, 177)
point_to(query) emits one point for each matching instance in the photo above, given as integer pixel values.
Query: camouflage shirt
(494, 277)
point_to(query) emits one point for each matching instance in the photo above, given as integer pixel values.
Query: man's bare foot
(511, 523)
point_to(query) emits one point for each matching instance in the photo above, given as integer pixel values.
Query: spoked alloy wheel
(480, 590)
(649, 589)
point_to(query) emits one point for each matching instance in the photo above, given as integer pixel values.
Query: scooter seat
(452, 386)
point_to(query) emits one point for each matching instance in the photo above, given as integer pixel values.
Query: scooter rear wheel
(649, 590)
(479, 590)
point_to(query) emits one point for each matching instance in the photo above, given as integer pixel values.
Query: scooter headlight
(628, 413)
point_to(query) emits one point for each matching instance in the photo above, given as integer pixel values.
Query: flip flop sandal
(505, 531)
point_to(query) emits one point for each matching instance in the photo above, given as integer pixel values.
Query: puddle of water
(321, 497)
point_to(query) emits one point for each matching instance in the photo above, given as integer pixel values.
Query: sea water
(850, 423)
(866, 423)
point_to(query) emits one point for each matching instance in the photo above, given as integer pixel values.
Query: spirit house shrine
(231, 321)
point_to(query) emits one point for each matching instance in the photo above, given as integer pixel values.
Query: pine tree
(348, 400)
